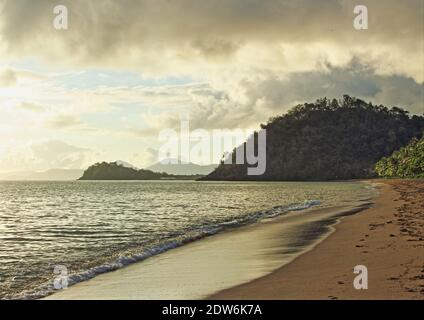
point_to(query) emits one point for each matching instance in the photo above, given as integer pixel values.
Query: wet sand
(387, 238)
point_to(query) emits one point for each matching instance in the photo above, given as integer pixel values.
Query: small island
(117, 171)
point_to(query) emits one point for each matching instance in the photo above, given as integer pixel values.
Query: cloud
(60, 154)
(191, 36)
(149, 156)
(251, 100)
(11, 77)
(7, 78)
(63, 121)
(249, 57)
(46, 155)
(277, 94)
(30, 107)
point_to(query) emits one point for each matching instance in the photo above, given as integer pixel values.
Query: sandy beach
(387, 238)
(265, 261)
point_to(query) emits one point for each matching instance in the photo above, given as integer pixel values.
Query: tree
(329, 140)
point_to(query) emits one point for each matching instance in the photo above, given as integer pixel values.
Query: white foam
(190, 236)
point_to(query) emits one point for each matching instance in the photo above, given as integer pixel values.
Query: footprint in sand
(373, 226)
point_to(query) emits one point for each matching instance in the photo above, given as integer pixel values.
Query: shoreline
(224, 260)
(387, 238)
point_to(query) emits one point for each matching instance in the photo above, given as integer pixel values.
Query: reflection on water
(93, 227)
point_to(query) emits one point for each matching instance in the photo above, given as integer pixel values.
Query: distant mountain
(118, 171)
(49, 175)
(126, 164)
(182, 169)
(329, 140)
(407, 162)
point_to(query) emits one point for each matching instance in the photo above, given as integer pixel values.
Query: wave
(189, 236)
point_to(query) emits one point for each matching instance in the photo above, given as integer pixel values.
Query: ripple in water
(95, 227)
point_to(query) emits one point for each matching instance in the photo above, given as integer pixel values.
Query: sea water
(91, 228)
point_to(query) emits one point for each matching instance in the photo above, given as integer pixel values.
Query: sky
(103, 89)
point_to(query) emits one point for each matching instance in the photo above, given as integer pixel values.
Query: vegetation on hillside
(329, 140)
(408, 162)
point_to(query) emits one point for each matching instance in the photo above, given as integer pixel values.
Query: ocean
(90, 228)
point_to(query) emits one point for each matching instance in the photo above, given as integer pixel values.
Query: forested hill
(329, 140)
